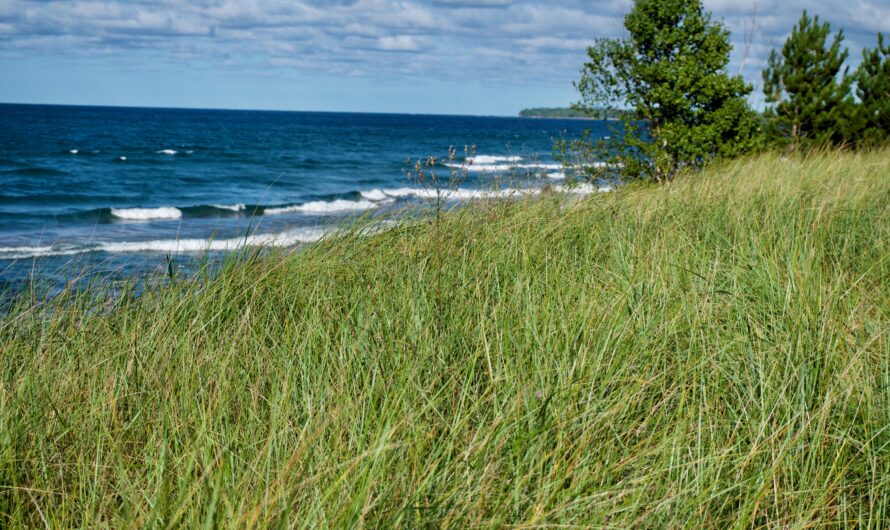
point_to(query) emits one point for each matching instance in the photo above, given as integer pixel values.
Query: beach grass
(714, 352)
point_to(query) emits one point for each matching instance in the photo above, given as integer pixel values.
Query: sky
(483, 57)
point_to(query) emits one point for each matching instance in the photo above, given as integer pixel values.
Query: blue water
(120, 189)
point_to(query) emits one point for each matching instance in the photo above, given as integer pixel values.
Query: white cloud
(400, 43)
(501, 41)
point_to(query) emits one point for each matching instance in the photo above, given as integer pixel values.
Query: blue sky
(490, 57)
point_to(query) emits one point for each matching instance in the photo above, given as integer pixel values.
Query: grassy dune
(711, 353)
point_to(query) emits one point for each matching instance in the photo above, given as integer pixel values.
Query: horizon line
(243, 109)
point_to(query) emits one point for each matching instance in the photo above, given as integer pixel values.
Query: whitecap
(489, 159)
(378, 194)
(168, 152)
(287, 238)
(375, 195)
(25, 252)
(281, 239)
(231, 207)
(145, 214)
(494, 168)
(324, 207)
(73, 151)
(122, 158)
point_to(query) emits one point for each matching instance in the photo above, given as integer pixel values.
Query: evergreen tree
(670, 72)
(808, 94)
(873, 89)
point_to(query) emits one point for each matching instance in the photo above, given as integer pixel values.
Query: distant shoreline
(568, 113)
(590, 118)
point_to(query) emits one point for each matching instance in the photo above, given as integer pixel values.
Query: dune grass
(710, 353)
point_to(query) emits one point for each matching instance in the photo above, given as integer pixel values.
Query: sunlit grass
(710, 353)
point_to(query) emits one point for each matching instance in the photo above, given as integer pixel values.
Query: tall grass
(710, 353)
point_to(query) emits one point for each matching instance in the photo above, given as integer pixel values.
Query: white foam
(325, 207)
(122, 158)
(232, 207)
(495, 168)
(388, 194)
(460, 194)
(169, 152)
(145, 214)
(489, 159)
(375, 195)
(10, 250)
(33, 252)
(282, 239)
(73, 151)
(556, 175)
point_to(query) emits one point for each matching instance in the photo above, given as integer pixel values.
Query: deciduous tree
(671, 73)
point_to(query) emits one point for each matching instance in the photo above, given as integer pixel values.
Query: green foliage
(873, 90)
(559, 112)
(710, 354)
(807, 88)
(551, 112)
(671, 71)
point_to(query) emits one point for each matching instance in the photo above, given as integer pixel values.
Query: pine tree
(808, 94)
(873, 89)
(671, 73)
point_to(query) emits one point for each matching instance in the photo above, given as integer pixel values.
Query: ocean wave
(27, 252)
(287, 238)
(507, 193)
(378, 194)
(431, 193)
(496, 168)
(346, 203)
(147, 214)
(230, 207)
(280, 239)
(465, 194)
(324, 207)
(490, 159)
(168, 152)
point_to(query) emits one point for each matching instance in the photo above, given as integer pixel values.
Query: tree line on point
(684, 109)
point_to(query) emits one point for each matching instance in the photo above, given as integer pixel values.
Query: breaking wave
(324, 207)
(147, 214)
(287, 238)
